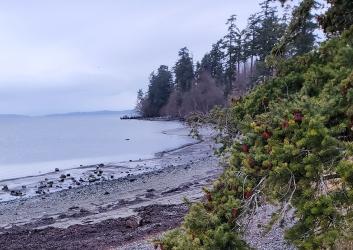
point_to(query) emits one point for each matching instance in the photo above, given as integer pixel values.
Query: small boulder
(57, 169)
(5, 188)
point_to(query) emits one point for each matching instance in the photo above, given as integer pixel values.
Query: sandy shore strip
(110, 212)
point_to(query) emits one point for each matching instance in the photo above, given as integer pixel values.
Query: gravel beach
(110, 213)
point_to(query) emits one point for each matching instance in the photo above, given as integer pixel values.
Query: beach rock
(149, 195)
(57, 170)
(132, 180)
(101, 165)
(133, 222)
(24, 186)
(5, 188)
(62, 176)
(112, 177)
(92, 179)
(106, 193)
(68, 175)
(150, 190)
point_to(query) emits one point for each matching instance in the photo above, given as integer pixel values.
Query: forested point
(286, 126)
(234, 65)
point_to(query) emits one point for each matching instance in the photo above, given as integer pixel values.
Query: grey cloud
(63, 55)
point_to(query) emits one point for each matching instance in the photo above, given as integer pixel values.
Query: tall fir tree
(212, 62)
(184, 71)
(159, 89)
(231, 46)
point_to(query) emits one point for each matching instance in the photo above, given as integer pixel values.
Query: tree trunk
(251, 65)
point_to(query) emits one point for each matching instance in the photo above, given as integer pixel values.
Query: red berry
(245, 148)
(248, 194)
(234, 212)
(266, 135)
(298, 116)
(285, 124)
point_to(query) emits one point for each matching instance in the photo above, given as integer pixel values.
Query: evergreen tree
(231, 45)
(338, 17)
(159, 89)
(250, 38)
(268, 33)
(305, 40)
(184, 71)
(270, 30)
(212, 62)
(139, 102)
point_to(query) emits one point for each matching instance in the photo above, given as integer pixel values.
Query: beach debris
(5, 188)
(112, 177)
(24, 186)
(68, 175)
(150, 190)
(57, 170)
(101, 165)
(16, 193)
(63, 176)
(127, 139)
(106, 193)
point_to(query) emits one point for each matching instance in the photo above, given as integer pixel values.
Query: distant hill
(12, 116)
(102, 112)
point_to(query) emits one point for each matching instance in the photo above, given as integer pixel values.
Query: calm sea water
(32, 146)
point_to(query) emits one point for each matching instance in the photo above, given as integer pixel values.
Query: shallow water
(37, 145)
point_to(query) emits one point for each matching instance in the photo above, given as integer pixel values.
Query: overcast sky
(85, 55)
